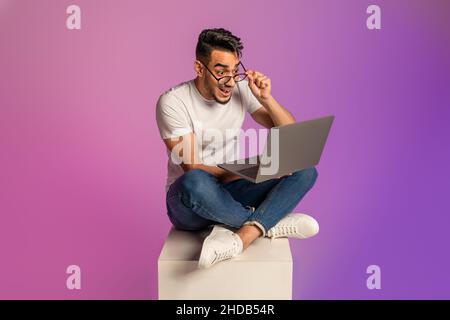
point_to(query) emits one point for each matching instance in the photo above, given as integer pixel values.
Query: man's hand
(259, 85)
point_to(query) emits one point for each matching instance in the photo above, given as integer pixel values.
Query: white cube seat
(263, 271)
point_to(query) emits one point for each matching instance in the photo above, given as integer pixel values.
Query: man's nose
(230, 82)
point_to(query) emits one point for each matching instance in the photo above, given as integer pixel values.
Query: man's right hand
(190, 159)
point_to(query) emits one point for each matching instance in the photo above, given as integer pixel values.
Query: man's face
(222, 63)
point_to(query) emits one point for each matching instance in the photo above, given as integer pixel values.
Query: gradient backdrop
(82, 167)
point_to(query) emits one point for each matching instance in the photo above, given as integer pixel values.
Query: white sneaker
(294, 225)
(221, 244)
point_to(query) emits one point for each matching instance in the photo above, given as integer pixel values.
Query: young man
(199, 193)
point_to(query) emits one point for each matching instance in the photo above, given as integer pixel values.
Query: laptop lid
(293, 147)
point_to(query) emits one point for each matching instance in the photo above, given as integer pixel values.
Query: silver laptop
(299, 146)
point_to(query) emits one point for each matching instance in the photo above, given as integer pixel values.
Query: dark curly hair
(220, 39)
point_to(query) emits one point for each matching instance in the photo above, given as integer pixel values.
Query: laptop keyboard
(250, 172)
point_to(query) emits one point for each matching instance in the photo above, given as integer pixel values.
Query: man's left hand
(259, 85)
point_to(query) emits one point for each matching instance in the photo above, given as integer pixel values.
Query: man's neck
(202, 89)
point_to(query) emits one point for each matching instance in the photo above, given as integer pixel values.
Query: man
(199, 193)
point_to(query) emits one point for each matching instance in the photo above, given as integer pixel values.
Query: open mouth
(225, 92)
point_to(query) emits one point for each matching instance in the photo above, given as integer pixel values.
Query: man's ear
(198, 67)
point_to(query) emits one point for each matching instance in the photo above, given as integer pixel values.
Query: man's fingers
(251, 74)
(259, 74)
(260, 80)
(251, 78)
(251, 82)
(265, 82)
(254, 74)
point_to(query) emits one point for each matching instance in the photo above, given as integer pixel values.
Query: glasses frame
(244, 75)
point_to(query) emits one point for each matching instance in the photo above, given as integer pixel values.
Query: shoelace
(283, 230)
(227, 254)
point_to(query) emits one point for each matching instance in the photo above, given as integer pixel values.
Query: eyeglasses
(224, 80)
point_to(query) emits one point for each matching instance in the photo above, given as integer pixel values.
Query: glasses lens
(239, 77)
(224, 80)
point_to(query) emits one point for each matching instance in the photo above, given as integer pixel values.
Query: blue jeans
(197, 199)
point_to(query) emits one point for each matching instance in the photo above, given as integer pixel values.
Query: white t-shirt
(182, 109)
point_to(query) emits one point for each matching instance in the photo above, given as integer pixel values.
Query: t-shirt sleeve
(251, 104)
(172, 117)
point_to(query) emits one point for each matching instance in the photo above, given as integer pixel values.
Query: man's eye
(220, 72)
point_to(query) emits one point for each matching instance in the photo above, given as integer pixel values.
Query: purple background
(82, 167)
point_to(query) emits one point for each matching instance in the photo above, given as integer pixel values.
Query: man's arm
(272, 119)
(280, 115)
(272, 113)
(185, 147)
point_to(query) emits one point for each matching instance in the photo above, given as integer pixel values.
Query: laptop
(299, 146)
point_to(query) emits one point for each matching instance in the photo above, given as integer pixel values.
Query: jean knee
(194, 180)
(192, 225)
(309, 174)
